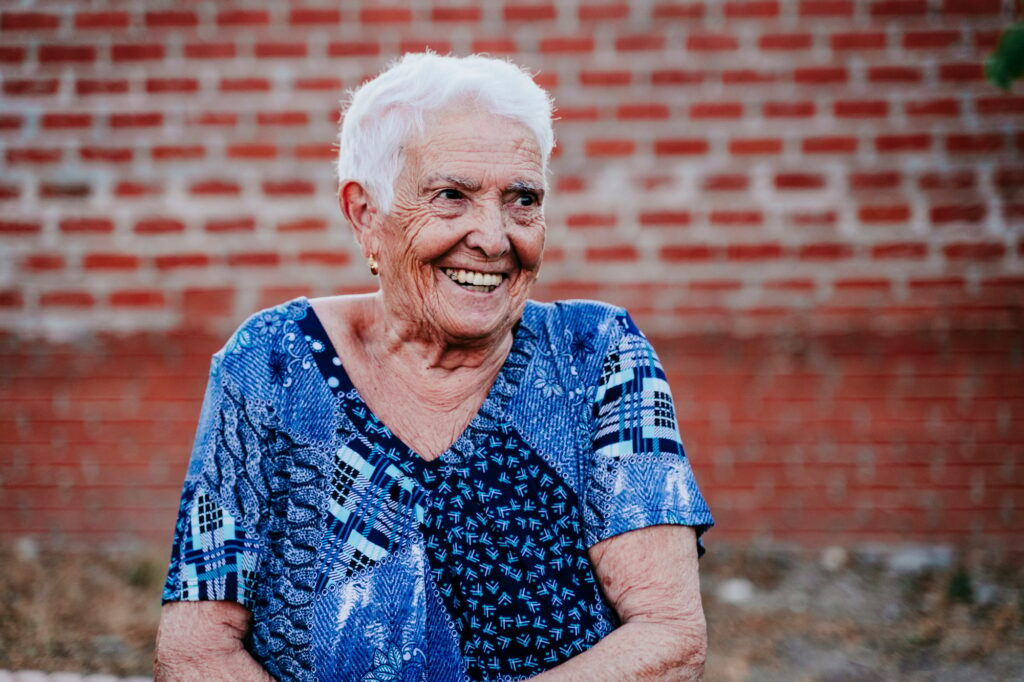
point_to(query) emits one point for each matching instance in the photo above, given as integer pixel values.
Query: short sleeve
(217, 548)
(639, 474)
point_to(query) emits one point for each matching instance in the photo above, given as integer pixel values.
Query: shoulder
(599, 324)
(250, 353)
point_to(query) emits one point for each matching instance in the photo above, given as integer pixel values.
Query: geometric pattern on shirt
(505, 543)
(219, 560)
(633, 405)
(373, 507)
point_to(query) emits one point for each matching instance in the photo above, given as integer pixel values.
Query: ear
(358, 208)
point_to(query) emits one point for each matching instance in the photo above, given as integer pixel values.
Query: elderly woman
(442, 480)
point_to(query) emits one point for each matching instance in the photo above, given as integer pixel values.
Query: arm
(649, 576)
(202, 642)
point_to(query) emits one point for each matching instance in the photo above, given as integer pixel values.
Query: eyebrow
(473, 185)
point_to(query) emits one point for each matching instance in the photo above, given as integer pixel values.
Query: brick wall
(815, 206)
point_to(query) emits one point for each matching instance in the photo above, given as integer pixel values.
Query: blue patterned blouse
(361, 561)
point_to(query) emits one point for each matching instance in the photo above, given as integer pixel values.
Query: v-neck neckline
(328, 361)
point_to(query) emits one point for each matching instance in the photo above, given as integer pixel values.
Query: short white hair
(383, 113)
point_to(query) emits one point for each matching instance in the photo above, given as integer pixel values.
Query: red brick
(605, 78)
(820, 75)
(825, 251)
(147, 119)
(64, 190)
(640, 42)
(42, 262)
(894, 74)
(277, 188)
(899, 250)
(756, 9)
(102, 20)
(91, 86)
(799, 181)
(214, 118)
(588, 113)
(28, 21)
(254, 259)
(676, 77)
(802, 285)
(861, 108)
(948, 180)
(316, 152)
(679, 10)
(588, 220)
(888, 213)
(135, 190)
(158, 226)
(318, 83)
(755, 145)
(168, 152)
(66, 53)
(157, 86)
(255, 150)
(858, 41)
(172, 19)
(330, 258)
(305, 16)
(931, 40)
(267, 50)
(124, 52)
(685, 253)
(711, 42)
(1009, 177)
(1004, 104)
(209, 50)
(980, 143)
(349, 48)
(974, 250)
(244, 224)
(302, 225)
(664, 218)
(19, 155)
(215, 188)
(495, 46)
(240, 17)
(611, 254)
(610, 147)
(530, 12)
(644, 110)
(962, 72)
(913, 142)
(976, 7)
(12, 54)
(753, 252)
(733, 218)
(251, 84)
(138, 298)
(957, 213)
(106, 154)
(66, 299)
(987, 40)
(748, 77)
(716, 110)
(20, 227)
(603, 11)
(176, 261)
(51, 121)
(8, 192)
(86, 225)
(786, 41)
(897, 8)
(875, 180)
(713, 285)
(789, 109)
(110, 261)
(680, 146)
(726, 182)
(933, 107)
(566, 44)
(30, 87)
(385, 15)
(826, 8)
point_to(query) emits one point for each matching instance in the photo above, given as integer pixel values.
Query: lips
(474, 280)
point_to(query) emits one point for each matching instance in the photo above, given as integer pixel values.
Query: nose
(488, 233)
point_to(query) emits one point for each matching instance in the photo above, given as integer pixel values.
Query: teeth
(473, 278)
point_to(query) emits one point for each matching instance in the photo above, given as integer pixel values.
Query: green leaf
(1006, 63)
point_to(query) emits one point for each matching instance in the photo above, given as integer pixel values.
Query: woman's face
(463, 242)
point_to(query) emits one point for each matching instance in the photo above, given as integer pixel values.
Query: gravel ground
(832, 616)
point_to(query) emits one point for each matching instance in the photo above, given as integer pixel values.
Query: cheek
(529, 245)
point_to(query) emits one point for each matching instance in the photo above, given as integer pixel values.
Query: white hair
(382, 113)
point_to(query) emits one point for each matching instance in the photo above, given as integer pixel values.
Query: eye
(527, 199)
(450, 194)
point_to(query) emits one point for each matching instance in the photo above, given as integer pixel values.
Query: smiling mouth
(475, 281)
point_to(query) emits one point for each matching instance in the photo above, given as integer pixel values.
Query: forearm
(638, 651)
(238, 665)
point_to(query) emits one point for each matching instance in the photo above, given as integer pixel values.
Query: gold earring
(374, 266)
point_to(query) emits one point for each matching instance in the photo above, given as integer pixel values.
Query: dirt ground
(831, 616)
